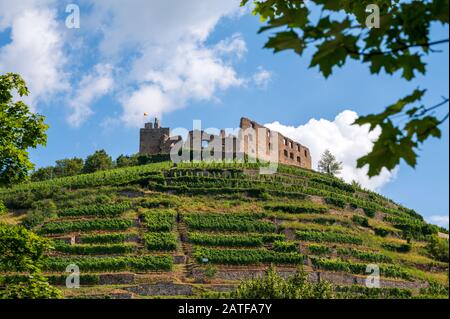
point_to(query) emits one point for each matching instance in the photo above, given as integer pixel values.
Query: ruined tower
(155, 139)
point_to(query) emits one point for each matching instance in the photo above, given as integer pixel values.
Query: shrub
(317, 236)
(362, 221)
(300, 208)
(95, 249)
(364, 255)
(438, 248)
(225, 240)
(104, 238)
(246, 256)
(370, 212)
(42, 211)
(273, 286)
(159, 221)
(3, 209)
(160, 241)
(319, 249)
(97, 210)
(85, 225)
(284, 247)
(382, 232)
(400, 248)
(92, 264)
(362, 292)
(229, 222)
(335, 202)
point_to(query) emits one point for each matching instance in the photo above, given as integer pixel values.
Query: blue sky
(206, 65)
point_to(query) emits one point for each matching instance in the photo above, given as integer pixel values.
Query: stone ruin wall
(157, 140)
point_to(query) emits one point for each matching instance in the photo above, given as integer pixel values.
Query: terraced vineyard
(198, 230)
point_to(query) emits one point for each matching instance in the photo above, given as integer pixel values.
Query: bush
(229, 222)
(438, 248)
(246, 256)
(400, 248)
(95, 249)
(370, 212)
(42, 211)
(382, 232)
(97, 210)
(85, 225)
(159, 221)
(303, 208)
(319, 249)
(362, 292)
(317, 236)
(3, 209)
(104, 238)
(160, 241)
(284, 247)
(273, 286)
(335, 202)
(362, 221)
(226, 240)
(93, 264)
(364, 255)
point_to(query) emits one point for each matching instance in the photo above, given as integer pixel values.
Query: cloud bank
(346, 141)
(160, 51)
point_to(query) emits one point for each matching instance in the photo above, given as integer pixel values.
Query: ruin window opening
(286, 153)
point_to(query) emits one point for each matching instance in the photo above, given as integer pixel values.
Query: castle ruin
(253, 140)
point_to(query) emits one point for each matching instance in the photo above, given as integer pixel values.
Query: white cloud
(174, 64)
(262, 78)
(346, 141)
(35, 50)
(440, 220)
(90, 88)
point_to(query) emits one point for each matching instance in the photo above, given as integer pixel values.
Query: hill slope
(199, 229)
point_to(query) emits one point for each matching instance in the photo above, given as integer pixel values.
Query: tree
(69, 167)
(329, 165)
(19, 130)
(23, 251)
(393, 37)
(438, 248)
(43, 174)
(126, 161)
(273, 286)
(99, 161)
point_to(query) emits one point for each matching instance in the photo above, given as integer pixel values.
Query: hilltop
(198, 229)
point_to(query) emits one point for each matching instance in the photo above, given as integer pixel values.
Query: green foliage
(99, 161)
(69, 167)
(370, 212)
(438, 248)
(85, 225)
(382, 232)
(316, 236)
(362, 221)
(319, 249)
(98, 249)
(126, 161)
(20, 130)
(159, 221)
(400, 248)
(247, 240)
(229, 222)
(97, 210)
(398, 44)
(335, 202)
(23, 251)
(3, 209)
(299, 208)
(246, 256)
(273, 286)
(41, 211)
(160, 241)
(92, 264)
(112, 238)
(359, 269)
(362, 292)
(285, 247)
(364, 255)
(329, 165)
